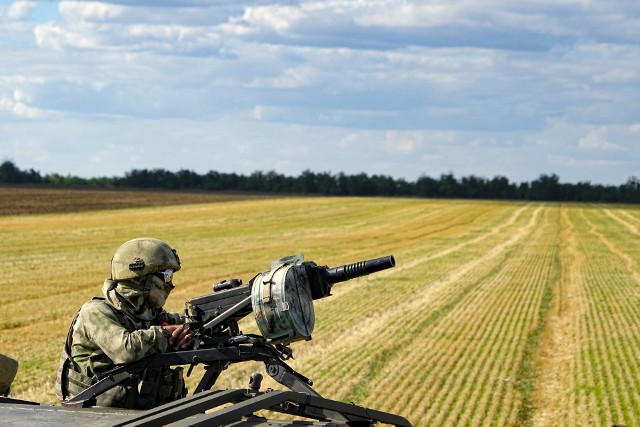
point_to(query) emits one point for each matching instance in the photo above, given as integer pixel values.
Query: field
(497, 313)
(35, 200)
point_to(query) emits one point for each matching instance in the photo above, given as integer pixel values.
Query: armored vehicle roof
(234, 407)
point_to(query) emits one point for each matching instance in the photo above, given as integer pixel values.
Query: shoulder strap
(66, 364)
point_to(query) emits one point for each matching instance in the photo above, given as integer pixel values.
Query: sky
(399, 88)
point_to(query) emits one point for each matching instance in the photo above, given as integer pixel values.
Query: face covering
(158, 293)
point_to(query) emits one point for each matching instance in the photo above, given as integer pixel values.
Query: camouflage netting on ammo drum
(282, 302)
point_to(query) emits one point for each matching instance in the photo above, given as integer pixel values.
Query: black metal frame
(191, 410)
(302, 400)
(214, 359)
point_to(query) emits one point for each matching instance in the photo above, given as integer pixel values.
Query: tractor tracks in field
(453, 276)
(500, 247)
(402, 315)
(451, 297)
(629, 261)
(584, 364)
(629, 223)
(560, 338)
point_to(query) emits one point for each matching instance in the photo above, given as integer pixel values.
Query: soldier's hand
(180, 338)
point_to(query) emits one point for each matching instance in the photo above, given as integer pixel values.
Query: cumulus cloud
(275, 17)
(106, 26)
(404, 142)
(425, 82)
(51, 35)
(90, 10)
(17, 105)
(18, 10)
(596, 140)
(18, 109)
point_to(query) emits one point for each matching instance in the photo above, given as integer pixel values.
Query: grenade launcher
(281, 300)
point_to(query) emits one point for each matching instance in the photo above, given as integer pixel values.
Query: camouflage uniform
(119, 329)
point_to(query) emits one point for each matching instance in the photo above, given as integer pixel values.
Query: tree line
(544, 188)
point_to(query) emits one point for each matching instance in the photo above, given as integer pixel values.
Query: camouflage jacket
(119, 329)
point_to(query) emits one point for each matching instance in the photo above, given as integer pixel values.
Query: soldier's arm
(102, 327)
(170, 318)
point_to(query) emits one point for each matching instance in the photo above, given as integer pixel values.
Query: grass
(497, 313)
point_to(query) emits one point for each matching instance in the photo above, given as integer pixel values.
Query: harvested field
(497, 313)
(19, 200)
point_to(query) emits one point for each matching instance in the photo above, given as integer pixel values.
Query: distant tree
(342, 183)
(500, 188)
(188, 179)
(10, 174)
(326, 183)
(65, 181)
(426, 186)
(474, 187)
(448, 186)
(546, 187)
(307, 182)
(361, 185)
(384, 185)
(630, 191)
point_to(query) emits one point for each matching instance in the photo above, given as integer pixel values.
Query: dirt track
(19, 200)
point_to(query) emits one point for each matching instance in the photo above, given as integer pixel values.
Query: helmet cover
(139, 257)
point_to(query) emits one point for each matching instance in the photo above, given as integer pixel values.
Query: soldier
(126, 325)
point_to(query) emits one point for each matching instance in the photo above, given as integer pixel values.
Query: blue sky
(400, 88)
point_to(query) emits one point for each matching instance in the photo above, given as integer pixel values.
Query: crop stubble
(496, 314)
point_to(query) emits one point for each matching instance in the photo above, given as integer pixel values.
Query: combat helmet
(139, 257)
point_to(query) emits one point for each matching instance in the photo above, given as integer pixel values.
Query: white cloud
(407, 80)
(290, 78)
(275, 17)
(54, 36)
(20, 10)
(404, 142)
(22, 110)
(259, 112)
(268, 113)
(17, 107)
(351, 140)
(408, 14)
(596, 140)
(21, 96)
(90, 10)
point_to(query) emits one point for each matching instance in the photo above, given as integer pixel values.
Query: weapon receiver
(280, 299)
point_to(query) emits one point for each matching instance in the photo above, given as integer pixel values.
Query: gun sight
(227, 284)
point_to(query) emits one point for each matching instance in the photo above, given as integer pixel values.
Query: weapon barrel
(361, 268)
